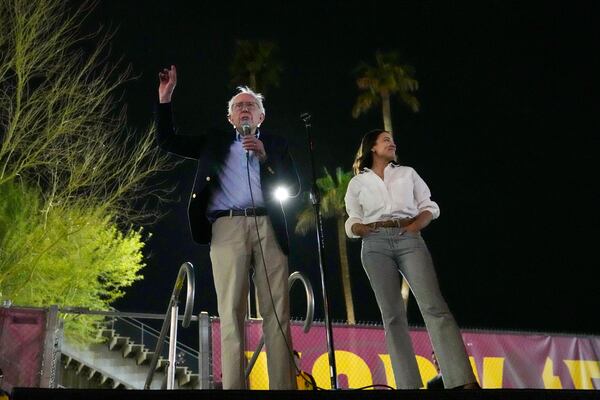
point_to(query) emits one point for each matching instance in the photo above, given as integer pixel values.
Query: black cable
(311, 383)
(299, 185)
(262, 256)
(373, 386)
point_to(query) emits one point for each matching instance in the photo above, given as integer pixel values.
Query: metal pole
(172, 348)
(249, 305)
(185, 271)
(205, 350)
(51, 356)
(316, 200)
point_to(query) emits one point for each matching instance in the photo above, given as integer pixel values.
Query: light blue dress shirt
(234, 192)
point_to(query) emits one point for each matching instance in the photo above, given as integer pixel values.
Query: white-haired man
(224, 212)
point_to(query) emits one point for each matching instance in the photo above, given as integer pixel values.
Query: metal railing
(310, 311)
(148, 336)
(53, 341)
(185, 271)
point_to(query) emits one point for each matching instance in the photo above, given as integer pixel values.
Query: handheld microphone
(245, 132)
(245, 128)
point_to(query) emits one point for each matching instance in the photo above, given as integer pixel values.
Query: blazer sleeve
(168, 139)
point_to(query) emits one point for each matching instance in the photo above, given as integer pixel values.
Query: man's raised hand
(168, 80)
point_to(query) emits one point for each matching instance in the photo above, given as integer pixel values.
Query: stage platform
(487, 394)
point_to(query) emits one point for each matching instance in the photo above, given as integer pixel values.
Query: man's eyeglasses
(249, 105)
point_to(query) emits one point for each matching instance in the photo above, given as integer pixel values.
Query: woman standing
(388, 205)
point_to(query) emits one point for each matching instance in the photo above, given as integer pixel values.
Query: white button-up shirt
(401, 194)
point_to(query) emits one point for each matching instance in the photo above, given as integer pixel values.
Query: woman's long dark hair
(364, 155)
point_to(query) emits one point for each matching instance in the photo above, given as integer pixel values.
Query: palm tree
(255, 63)
(333, 205)
(378, 83)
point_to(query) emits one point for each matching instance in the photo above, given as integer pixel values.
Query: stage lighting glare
(281, 193)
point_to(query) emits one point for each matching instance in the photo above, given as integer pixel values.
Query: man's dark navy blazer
(210, 150)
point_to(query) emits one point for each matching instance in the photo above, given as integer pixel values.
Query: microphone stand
(316, 202)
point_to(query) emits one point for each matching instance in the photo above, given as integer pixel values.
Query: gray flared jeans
(384, 254)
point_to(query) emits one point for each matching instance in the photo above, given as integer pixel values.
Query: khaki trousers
(234, 248)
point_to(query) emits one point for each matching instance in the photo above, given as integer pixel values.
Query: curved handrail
(185, 271)
(310, 297)
(310, 311)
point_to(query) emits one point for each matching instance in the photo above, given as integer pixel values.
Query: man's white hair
(245, 89)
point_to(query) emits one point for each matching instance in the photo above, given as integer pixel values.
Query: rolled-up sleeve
(423, 196)
(353, 208)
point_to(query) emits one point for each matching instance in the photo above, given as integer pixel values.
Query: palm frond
(387, 76)
(306, 220)
(258, 58)
(333, 191)
(411, 101)
(364, 102)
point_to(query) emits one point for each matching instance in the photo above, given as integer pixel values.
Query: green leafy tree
(256, 64)
(73, 177)
(72, 256)
(59, 121)
(333, 191)
(379, 82)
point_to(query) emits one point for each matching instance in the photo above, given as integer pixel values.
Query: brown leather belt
(392, 223)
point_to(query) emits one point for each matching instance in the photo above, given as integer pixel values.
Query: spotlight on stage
(282, 194)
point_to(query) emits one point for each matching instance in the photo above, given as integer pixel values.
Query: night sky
(506, 140)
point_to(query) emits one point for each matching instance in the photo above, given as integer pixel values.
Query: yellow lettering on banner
(474, 368)
(355, 368)
(259, 376)
(582, 372)
(493, 372)
(426, 369)
(551, 381)
(389, 370)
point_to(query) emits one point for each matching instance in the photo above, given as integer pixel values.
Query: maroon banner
(499, 359)
(21, 346)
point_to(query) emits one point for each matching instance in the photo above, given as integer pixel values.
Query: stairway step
(104, 324)
(117, 342)
(113, 366)
(193, 380)
(80, 366)
(67, 360)
(161, 365)
(181, 371)
(107, 332)
(131, 349)
(183, 379)
(144, 357)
